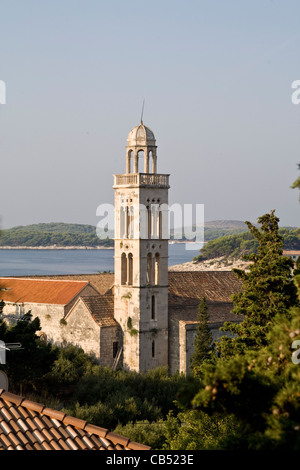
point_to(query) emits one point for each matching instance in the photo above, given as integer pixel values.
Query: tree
(296, 183)
(268, 289)
(203, 339)
(26, 366)
(260, 389)
(297, 267)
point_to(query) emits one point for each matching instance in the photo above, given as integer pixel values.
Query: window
(153, 308)
(153, 348)
(123, 269)
(160, 224)
(149, 221)
(157, 270)
(122, 221)
(149, 268)
(130, 222)
(130, 269)
(115, 348)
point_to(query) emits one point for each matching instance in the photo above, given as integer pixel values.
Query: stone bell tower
(141, 255)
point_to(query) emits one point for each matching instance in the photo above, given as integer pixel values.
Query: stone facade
(141, 256)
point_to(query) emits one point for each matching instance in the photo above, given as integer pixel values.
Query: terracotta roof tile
(189, 287)
(44, 291)
(101, 308)
(103, 282)
(28, 425)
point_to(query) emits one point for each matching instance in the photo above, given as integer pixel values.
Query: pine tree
(268, 289)
(203, 339)
(297, 267)
(296, 183)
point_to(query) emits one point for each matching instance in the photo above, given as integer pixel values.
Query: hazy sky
(216, 77)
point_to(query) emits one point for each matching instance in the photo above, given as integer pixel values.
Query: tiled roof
(185, 288)
(43, 291)
(26, 425)
(189, 287)
(101, 308)
(103, 282)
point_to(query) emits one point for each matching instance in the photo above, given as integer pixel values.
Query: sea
(30, 262)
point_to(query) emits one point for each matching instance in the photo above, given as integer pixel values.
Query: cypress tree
(268, 290)
(203, 339)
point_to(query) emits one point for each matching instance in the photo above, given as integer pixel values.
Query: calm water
(40, 262)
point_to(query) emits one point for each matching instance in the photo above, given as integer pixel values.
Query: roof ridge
(43, 280)
(71, 420)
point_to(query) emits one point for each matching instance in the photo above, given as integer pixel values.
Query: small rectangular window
(153, 307)
(153, 348)
(115, 348)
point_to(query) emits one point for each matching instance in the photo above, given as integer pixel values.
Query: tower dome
(140, 136)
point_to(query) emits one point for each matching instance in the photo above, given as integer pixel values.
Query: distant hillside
(238, 245)
(77, 235)
(212, 230)
(53, 234)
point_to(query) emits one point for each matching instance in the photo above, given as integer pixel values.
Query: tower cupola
(141, 143)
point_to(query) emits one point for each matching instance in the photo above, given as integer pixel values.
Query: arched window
(140, 154)
(122, 221)
(160, 231)
(157, 269)
(130, 222)
(149, 221)
(150, 165)
(123, 269)
(149, 268)
(130, 269)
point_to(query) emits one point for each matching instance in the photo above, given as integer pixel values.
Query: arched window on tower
(123, 269)
(140, 155)
(149, 221)
(150, 166)
(130, 269)
(130, 222)
(160, 220)
(157, 269)
(149, 268)
(122, 221)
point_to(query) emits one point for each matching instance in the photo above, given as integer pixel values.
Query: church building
(144, 315)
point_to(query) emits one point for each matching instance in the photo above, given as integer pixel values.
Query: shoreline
(56, 247)
(216, 264)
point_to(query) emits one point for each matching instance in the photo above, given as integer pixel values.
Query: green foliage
(297, 267)
(58, 234)
(24, 367)
(70, 366)
(241, 245)
(261, 389)
(129, 395)
(196, 430)
(268, 289)
(152, 434)
(256, 379)
(296, 183)
(203, 339)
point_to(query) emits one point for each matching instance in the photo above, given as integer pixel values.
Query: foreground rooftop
(26, 425)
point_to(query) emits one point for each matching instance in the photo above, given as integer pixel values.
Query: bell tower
(141, 254)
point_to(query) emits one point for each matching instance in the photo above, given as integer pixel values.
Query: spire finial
(142, 111)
